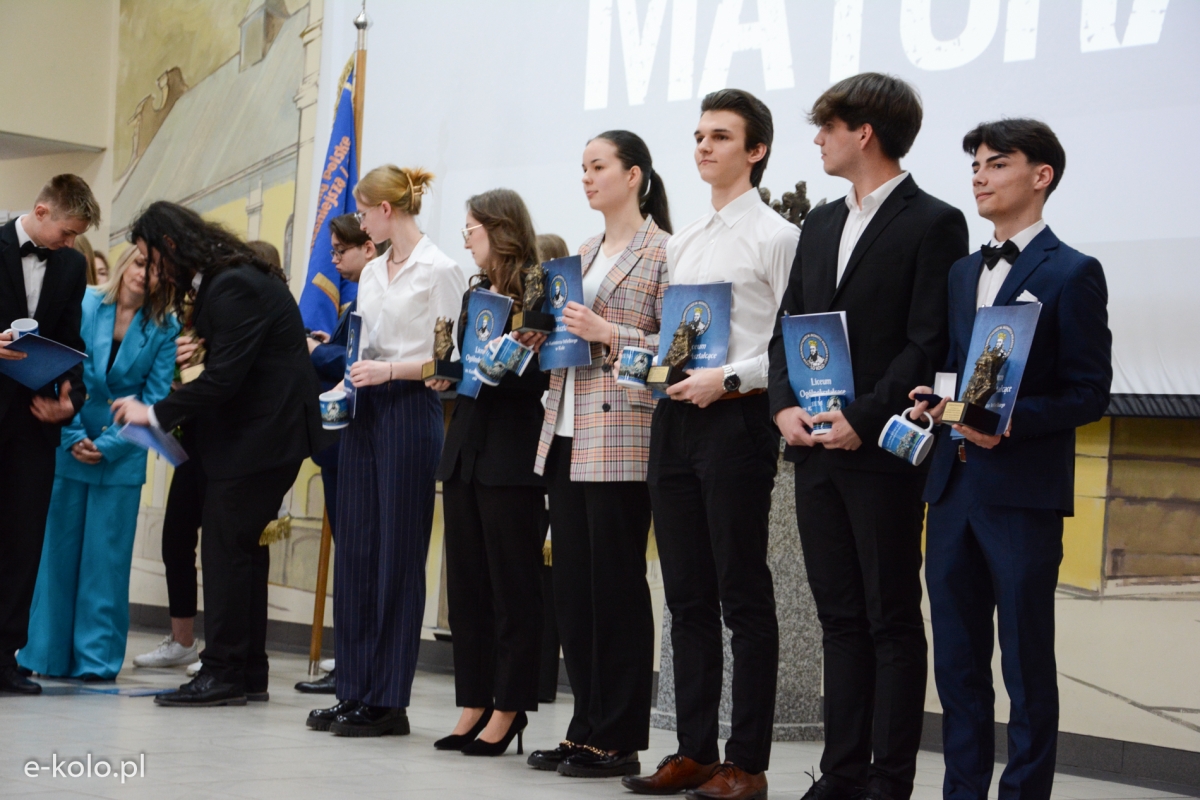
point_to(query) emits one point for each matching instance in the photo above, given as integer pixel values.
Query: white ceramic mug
(905, 439)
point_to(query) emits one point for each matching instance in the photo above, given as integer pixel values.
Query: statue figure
(680, 351)
(794, 206)
(982, 384)
(443, 340)
(533, 284)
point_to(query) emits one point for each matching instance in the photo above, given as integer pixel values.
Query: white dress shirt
(399, 315)
(564, 423)
(34, 269)
(860, 218)
(990, 280)
(753, 247)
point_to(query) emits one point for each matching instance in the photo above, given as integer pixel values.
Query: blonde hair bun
(401, 187)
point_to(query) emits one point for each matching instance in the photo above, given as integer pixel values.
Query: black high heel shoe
(481, 748)
(457, 741)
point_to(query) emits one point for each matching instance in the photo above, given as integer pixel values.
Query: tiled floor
(265, 751)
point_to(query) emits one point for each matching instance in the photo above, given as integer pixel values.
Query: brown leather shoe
(731, 782)
(675, 774)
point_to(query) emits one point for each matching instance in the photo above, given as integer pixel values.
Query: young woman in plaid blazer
(594, 446)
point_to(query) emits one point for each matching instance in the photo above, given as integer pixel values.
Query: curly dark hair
(187, 244)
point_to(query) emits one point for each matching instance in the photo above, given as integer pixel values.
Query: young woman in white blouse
(388, 456)
(593, 451)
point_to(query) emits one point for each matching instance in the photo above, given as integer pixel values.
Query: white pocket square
(1027, 297)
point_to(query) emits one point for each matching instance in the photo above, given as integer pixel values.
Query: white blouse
(399, 315)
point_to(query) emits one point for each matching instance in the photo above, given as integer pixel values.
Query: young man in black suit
(257, 418)
(996, 503)
(42, 277)
(882, 255)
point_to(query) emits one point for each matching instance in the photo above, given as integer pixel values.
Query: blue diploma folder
(1008, 330)
(353, 348)
(709, 305)
(564, 284)
(487, 315)
(44, 361)
(154, 439)
(818, 360)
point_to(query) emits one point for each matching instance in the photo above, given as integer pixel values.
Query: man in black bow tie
(43, 278)
(996, 503)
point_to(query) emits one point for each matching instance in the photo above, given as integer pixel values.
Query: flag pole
(318, 623)
(360, 78)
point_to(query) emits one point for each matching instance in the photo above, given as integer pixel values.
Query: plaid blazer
(612, 423)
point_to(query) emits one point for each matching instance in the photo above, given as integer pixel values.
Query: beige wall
(59, 63)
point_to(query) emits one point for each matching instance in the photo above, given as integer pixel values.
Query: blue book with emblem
(818, 361)
(353, 349)
(487, 314)
(996, 358)
(564, 284)
(705, 306)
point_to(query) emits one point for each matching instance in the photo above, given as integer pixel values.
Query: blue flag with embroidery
(325, 292)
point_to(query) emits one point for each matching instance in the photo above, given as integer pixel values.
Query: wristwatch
(732, 381)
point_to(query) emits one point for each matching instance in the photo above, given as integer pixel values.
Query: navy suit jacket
(330, 358)
(1066, 383)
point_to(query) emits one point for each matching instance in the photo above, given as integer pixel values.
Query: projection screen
(490, 93)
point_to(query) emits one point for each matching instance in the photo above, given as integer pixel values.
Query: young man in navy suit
(996, 503)
(41, 277)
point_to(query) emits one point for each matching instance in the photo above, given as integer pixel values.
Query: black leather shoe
(203, 691)
(457, 741)
(13, 682)
(550, 759)
(481, 748)
(326, 685)
(589, 762)
(828, 788)
(371, 721)
(319, 719)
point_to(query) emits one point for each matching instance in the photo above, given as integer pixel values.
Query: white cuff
(153, 418)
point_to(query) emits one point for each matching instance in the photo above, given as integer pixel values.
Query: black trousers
(27, 463)
(493, 586)
(235, 573)
(602, 600)
(861, 535)
(711, 472)
(181, 529)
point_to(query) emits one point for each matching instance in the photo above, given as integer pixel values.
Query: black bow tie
(31, 249)
(1008, 251)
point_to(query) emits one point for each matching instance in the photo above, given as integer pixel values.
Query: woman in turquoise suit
(80, 615)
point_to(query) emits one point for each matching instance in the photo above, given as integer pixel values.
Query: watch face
(732, 383)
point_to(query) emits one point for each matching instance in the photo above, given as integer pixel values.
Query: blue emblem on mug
(634, 367)
(335, 413)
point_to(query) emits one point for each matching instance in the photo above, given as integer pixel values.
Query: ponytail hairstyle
(400, 187)
(512, 242)
(652, 194)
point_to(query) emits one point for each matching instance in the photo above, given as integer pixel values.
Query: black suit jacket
(255, 404)
(1066, 382)
(493, 438)
(59, 310)
(894, 294)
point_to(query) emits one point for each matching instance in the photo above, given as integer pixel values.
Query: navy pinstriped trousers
(384, 519)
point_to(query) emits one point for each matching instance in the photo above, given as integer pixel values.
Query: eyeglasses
(361, 214)
(466, 232)
(336, 253)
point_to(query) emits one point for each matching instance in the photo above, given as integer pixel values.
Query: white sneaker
(194, 669)
(169, 653)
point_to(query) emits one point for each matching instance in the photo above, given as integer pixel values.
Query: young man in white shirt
(45, 281)
(881, 255)
(712, 468)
